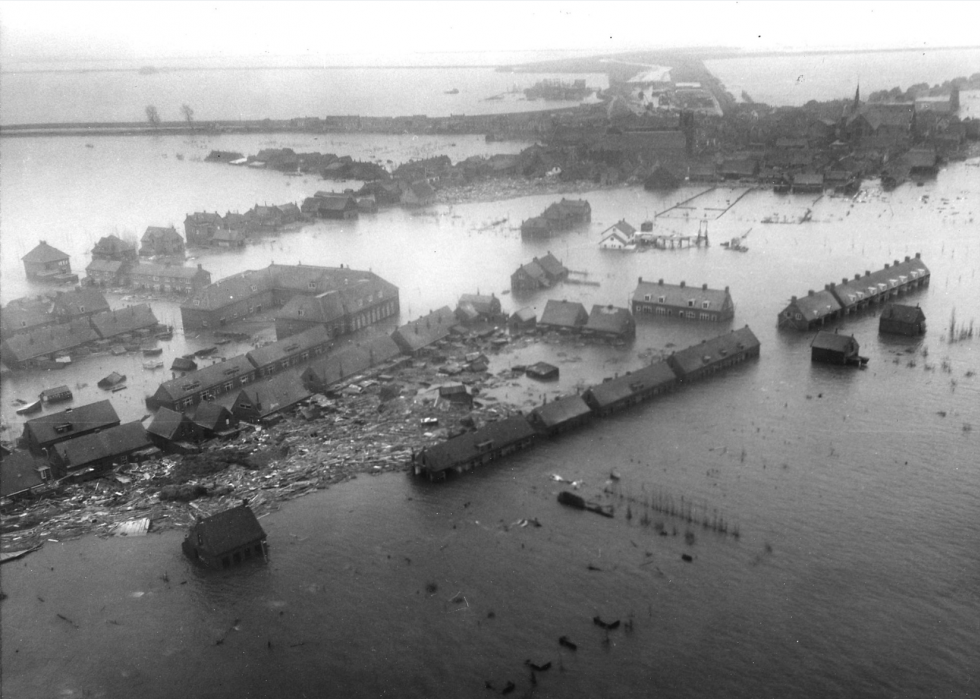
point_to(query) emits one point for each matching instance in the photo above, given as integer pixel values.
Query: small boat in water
(30, 408)
(183, 364)
(152, 351)
(153, 365)
(204, 352)
(117, 350)
(116, 389)
(167, 335)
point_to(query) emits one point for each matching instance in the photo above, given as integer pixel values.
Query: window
(646, 297)
(799, 316)
(662, 299)
(301, 312)
(81, 309)
(706, 316)
(691, 314)
(690, 303)
(312, 285)
(197, 302)
(705, 304)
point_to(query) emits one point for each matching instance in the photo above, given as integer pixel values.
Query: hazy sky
(33, 30)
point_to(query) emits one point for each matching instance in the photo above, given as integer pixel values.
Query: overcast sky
(32, 30)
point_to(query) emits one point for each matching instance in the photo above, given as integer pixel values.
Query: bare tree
(152, 115)
(188, 113)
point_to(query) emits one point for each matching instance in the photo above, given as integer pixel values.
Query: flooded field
(855, 491)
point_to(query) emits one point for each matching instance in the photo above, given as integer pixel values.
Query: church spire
(857, 99)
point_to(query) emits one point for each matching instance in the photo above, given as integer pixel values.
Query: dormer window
(690, 303)
(662, 299)
(312, 285)
(705, 304)
(81, 309)
(254, 288)
(301, 312)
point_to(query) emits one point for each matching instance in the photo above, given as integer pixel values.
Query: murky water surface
(856, 493)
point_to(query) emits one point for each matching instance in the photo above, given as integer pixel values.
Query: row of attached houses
(206, 229)
(835, 301)
(498, 439)
(604, 320)
(26, 315)
(682, 301)
(337, 298)
(36, 348)
(148, 277)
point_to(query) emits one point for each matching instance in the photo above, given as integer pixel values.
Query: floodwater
(795, 79)
(855, 492)
(80, 96)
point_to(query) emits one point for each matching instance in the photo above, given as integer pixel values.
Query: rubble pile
(370, 424)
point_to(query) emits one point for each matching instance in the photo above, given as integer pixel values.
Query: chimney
(683, 284)
(639, 280)
(844, 280)
(704, 287)
(886, 265)
(857, 276)
(726, 289)
(200, 266)
(660, 283)
(810, 292)
(792, 299)
(917, 256)
(867, 273)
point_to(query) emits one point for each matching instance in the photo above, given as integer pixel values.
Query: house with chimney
(46, 263)
(166, 242)
(682, 301)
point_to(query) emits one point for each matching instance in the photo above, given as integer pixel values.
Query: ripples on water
(856, 568)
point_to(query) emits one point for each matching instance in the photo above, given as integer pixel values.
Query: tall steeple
(857, 100)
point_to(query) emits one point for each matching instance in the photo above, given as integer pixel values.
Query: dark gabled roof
(817, 305)
(230, 289)
(204, 217)
(56, 391)
(79, 301)
(535, 271)
(561, 411)
(209, 414)
(464, 447)
(717, 349)
(677, 295)
(327, 307)
(166, 423)
(622, 227)
(276, 394)
(645, 379)
(22, 317)
(123, 320)
(226, 531)
(86, 417)
(422, 189)
(331, 201)
(294, 344)
(19, 472)
(43, 253)
(426, 330)
(833, 341)
(902, 314)
(569, 314)
(524, 315)
(110, 442)
(48, 340)
(609, 319)
(854, 291)
(197, 381)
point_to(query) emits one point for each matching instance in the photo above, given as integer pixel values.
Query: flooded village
(404, 340)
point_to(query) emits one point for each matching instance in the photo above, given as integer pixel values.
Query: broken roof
(111, 442)
(292, 345)
(202, 379)
(274, 395)
(561, 411)
(166, 423)
(430, 328)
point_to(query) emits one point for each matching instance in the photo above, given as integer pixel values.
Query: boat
(133, 347)
(30, 408)
(113, 379)
(204, 352)
(152, 351)
(117, 350)
(167, 335)
(116, 389)
(57, 394)
(153, 365)
(454, 91)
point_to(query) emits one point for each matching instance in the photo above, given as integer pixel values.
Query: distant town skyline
(464, 32)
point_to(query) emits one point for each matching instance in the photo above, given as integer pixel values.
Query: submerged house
(162, 241)
(45, 262)
(214, 420)
(472, 307)
(831, 348)
(226, 538)
(682, 301)
(539, 273)
(715, 354)
(631, 388)
(560, 415)
(610, 322)
(173, 431)
(461, 453)
(810, 311)
(898, 319)
(263, 402)
(23, 476)
(563, 316)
